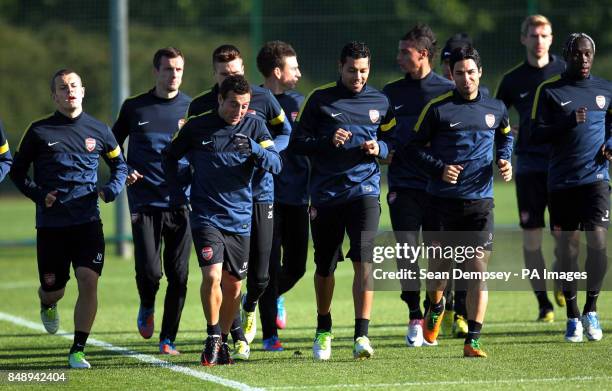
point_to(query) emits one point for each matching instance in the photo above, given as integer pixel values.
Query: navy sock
(213, 329)
(80, 339)
(361, 328)
(591, 302)
(324, 322)
(473, 331)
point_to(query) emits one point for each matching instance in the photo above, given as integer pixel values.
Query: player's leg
(262, 229)
(363, 216)
(88, 261)
(596, 217)
(177, 248)
(531, 194)
(327, 224)
(53, 274)
(267, 301)
(479, 225)
(294, 236)
(146, 231)
(209, 246)
(565, 221)
(407, 216)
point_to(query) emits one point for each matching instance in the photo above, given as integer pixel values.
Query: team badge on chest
(374, 116)
(90, 144)
(490, 120)
(601, 101)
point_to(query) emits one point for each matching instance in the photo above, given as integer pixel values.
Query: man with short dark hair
(65, 148)
(461, 127)
(5, 154)
(149, 120)
(517, 88)
(409, 205)
(225, 148)
(344, 127)
(572, 112)
(227, 61)
(277, 62)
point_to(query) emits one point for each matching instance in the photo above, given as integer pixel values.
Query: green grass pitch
(522, 353)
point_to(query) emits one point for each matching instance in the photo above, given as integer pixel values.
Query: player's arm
(278, 124)
(503, 145)
(304, 139)
(6, 159)
(547, 120)
(261, 148)
(180, 145)
(423, 132)
(25, 155)
(385, 135)
(118, 168)
(607, 147)
(121, 131)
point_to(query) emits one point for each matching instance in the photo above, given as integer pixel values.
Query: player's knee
(211, 275)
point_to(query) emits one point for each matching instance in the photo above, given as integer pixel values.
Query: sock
(571, 301)
(543, 301)
(223, 337)
(324, 322)
(249, 305)
(591, 302)
(413, 299)
(44, 306)
(361, 328)
(213, 329)
(236, 331)
(80, 339)
(437, 308)
(473, 331)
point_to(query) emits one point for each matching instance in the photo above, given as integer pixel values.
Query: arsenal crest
(90, 144)
(374, 116)
(490, 120)
(391, 197)
(601, 101)
(294, 115)
(207, 253)
(312, 211)
(181, 122)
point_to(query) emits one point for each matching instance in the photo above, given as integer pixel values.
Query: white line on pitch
(133, 354)
(443, 383)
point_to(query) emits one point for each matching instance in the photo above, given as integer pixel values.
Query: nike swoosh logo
(604, 219)
(524, 94)
(334, 115)
(206, 142)
(455, 124)
(51, 144)
(143, 123)
(398, 107)
(565, 103)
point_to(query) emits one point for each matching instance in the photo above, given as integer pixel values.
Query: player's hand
(451, 173)
(581, 114)
(505, 169)
(50, 198)
(606, 153)
(340, 137)
(101, 195)
(371, 147)
(242, 144)
(133, 177)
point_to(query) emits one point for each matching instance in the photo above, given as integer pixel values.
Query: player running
(150, 119)
(65, 148)
(572, 112)
(461, 126)
(517, 88)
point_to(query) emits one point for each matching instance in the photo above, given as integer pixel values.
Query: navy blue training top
(150, 122)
